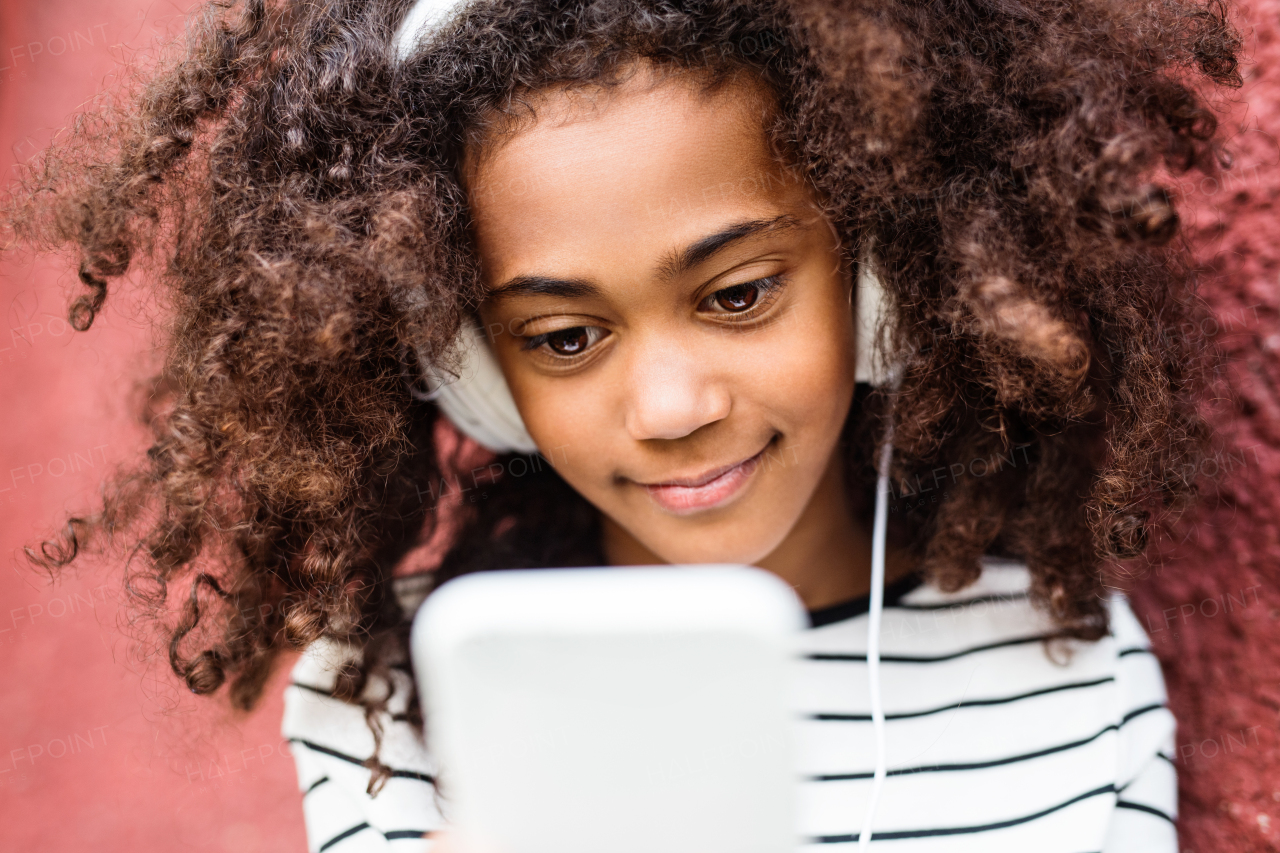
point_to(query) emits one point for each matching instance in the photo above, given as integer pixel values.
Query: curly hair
(296, 193)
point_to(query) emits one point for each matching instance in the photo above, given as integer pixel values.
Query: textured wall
(99, 750)
(1213, 611)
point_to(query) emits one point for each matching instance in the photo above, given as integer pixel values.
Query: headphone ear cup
(478, 401)
(870, 319)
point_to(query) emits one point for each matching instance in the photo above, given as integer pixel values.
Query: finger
(454, 841)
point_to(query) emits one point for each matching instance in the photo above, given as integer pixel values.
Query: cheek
(566, 421)
(802, 369)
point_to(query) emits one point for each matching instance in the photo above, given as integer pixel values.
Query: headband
(477, 400)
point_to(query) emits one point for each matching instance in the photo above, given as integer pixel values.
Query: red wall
(1213, 610)
(100, 749)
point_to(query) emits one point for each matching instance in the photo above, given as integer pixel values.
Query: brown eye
(737, 298)
(569, 341)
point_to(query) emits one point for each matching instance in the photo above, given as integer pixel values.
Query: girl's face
(671, 312)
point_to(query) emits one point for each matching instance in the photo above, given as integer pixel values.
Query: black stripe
(399, 774)
(341, 836)
(1125, 804)
(1135, 651)
(864, 718)
(393, 835)
(852, 607)
(1137, 712)
(941, 768)
(316, 784)
(1166, 758)
(959, 830)
(1017, 641)
(948, 605)
(312, 688)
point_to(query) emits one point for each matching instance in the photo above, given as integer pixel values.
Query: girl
(653, 218)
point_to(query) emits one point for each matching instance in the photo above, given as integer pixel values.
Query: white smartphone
(613, 710)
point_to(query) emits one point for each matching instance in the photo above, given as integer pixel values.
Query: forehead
(622, 175)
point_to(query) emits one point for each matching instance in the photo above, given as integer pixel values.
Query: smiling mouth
(707, 490)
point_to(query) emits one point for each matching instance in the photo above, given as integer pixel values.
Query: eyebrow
(565, 288)
(704, 249)
(677, 262)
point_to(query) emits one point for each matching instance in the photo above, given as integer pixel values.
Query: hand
(444, 841)
(452, 841)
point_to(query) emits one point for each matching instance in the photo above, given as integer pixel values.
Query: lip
(686, 495)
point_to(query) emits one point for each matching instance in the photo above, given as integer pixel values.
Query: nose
(671, 392)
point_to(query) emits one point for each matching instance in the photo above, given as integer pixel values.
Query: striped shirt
(992, 744)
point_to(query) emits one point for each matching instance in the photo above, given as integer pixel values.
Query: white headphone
(425, 19)
(477, 401)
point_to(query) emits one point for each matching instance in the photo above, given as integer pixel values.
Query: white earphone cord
(878, 535)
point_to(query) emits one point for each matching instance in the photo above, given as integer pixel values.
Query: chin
(729, 549)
